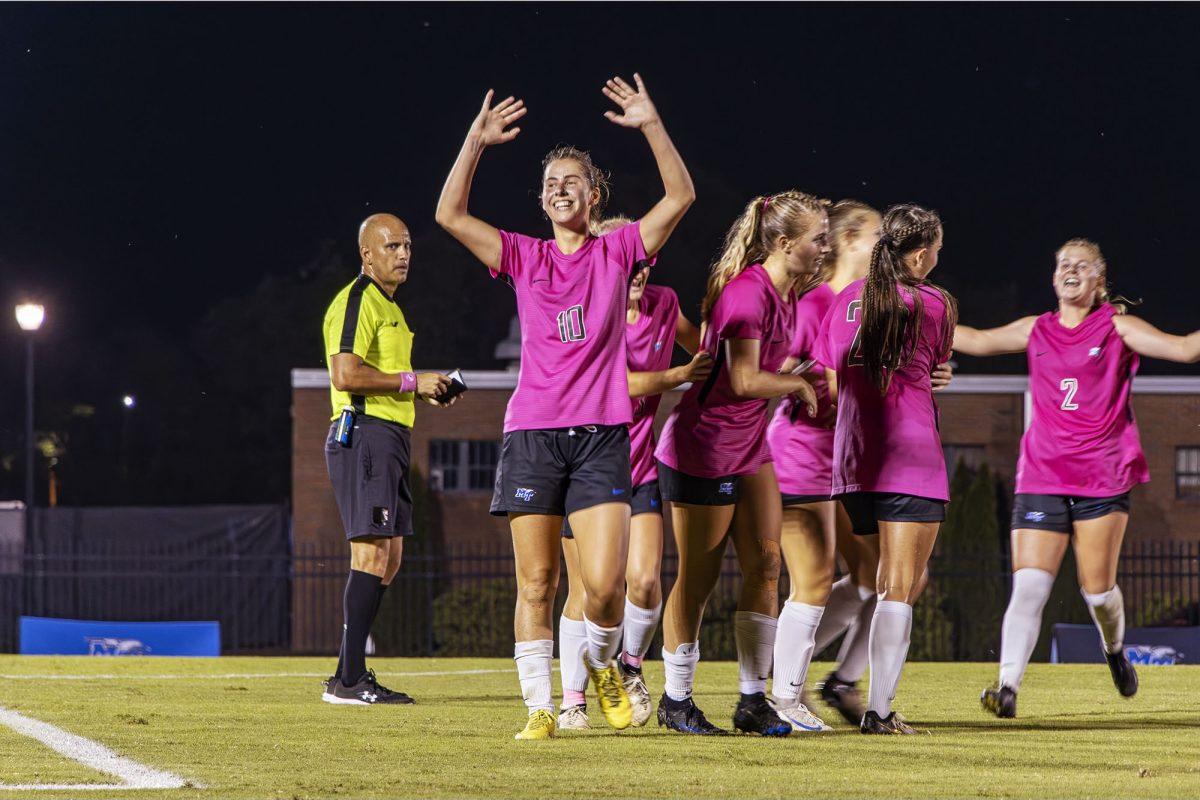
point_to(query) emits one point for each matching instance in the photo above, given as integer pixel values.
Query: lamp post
(30, 317)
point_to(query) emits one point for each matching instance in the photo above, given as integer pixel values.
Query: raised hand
(491, 126)
(637, 110)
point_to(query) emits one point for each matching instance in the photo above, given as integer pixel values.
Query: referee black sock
(359, 602)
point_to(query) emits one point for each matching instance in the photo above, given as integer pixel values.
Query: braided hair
(752, 237)
(890, 332)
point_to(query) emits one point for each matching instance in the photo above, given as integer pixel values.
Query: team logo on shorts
(525, 494)
(1094, 352)
(726, 487)
(1035, 516)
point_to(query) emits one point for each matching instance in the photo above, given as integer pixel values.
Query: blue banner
(1080, 644)
(80, 637)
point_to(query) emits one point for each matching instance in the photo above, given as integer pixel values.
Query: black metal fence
(458, 600)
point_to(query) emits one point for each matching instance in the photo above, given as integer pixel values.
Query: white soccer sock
(1108, 612)
(572, 646)
(1022, 623)
(533, 668)
(680, 668)
(755, 638)
(856, 651)
(890, 630)
(640, 625)
(794, 648)
(602, 643)
(842, 608)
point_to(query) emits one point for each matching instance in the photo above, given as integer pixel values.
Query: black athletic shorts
(370, 478)
(560, 470)
(1054, 512)
(646, 499)
(683, 488)
(804, 499)
(867, 509)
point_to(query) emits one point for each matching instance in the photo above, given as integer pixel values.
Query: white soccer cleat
(801, 719)
(574, 718)
(639, 694)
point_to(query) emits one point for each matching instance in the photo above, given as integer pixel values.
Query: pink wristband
(408, 382)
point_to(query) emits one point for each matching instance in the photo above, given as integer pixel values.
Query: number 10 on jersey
(570, 325)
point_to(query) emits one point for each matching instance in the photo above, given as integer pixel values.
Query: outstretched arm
(687, 335)
(1144, 339)
(489, 127)
(1010, 338)
(643, 384)
(637, 111)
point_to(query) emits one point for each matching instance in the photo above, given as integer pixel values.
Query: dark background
(181, 185)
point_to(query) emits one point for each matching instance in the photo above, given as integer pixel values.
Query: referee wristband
(408, 382)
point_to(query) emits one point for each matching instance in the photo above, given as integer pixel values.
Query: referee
(373, 388)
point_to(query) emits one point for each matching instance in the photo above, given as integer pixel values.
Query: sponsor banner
(1080, 644)
(80, 637)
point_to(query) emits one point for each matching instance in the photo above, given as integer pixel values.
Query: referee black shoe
(755, 715)
(684, 716)
(1000, 700)
(367, 692)
(327, 691)
(1124, 676)
(891, 725)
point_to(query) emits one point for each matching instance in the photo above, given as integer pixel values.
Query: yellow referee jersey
(363, 320)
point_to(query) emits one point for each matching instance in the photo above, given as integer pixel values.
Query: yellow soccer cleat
(540, 725)
(614, 702)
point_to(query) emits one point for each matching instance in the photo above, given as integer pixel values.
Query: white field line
(132, 774)
(234, 676)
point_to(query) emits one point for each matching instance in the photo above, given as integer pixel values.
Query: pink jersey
(801, 447)
(1083, 440)
(649, 343)
(886, 443)
(572, 312)
(725, 434)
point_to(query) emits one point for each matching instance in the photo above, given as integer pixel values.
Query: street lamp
(30, 317)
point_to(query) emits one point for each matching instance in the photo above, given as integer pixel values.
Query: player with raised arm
(654, 324)
(565, 451)
(883, 337)
(713, 455)
(1080, 456)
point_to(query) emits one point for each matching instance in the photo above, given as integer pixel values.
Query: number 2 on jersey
(855, 358)
(570, 325)
(1070, 386)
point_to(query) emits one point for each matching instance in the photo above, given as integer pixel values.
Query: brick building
(982, 418)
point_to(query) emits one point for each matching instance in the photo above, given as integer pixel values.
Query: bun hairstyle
(752, 237)
(597, 178)
(1105, 294)
(890, 332)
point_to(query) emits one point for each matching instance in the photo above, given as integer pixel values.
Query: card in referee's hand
(457, 387)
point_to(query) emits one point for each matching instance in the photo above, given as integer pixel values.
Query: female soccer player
(654, 324)
(713, 453)
(883, 337)
(566, 442)
(1080, 456)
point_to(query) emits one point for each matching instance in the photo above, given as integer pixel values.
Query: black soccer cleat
(755, 715)
(843, 697)
(891, 725)
(684, 716)
(367, 692)
(1123, 674)
(1000, 700)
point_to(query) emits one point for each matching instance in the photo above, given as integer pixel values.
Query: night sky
(158, 160)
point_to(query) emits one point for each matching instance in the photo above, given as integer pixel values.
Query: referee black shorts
(370, 478)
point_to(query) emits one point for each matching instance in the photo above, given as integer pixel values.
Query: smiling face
(567, 196)
(1079, 273)
(637, 286)
(805, 254)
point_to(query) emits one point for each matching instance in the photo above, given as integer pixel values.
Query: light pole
(30, 317)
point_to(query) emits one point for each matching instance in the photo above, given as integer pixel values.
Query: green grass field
(255, 727)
